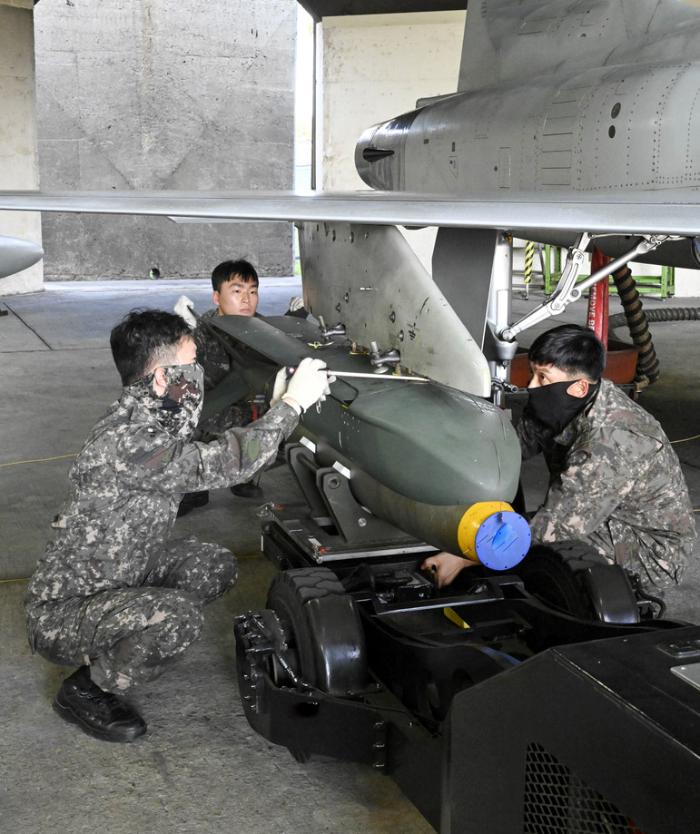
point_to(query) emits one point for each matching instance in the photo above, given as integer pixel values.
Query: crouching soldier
(235, 292)
(616, 484)
(113, 593)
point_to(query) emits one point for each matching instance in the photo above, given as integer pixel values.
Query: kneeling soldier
(114, 594)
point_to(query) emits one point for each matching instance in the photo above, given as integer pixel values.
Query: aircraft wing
(671, 212)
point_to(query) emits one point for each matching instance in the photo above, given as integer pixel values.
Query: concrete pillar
(19, 167)
(375, 67)
(687, 283)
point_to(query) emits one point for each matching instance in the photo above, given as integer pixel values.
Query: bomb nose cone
(492, 533)
(17, 254)
(502, 541)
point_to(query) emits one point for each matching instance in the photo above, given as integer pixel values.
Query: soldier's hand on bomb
(445, 567)
(309, 384)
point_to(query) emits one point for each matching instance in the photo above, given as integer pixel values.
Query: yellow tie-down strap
(455, 618)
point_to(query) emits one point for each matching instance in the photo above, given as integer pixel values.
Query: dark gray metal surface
(327, 8)
(466, 281)
(387, 430)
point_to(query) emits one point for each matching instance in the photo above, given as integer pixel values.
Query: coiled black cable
(667, 314)
(637, 321)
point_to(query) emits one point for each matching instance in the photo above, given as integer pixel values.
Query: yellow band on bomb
(472, 520)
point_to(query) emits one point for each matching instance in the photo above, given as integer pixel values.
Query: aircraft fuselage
(625, 127)
(572, 96)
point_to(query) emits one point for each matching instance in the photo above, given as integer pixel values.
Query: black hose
(637, 321)
(655, 601)
(666, 314)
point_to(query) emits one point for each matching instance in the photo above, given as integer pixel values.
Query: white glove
(280, 386)
(309, 384)
(183, 308)
(295, 303)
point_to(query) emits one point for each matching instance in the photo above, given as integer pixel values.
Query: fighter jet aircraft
(571, 117)
(575, 122)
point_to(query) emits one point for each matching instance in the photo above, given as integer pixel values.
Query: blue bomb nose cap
(503, 540)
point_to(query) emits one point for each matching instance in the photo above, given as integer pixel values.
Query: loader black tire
(549, 573)
(288, 594)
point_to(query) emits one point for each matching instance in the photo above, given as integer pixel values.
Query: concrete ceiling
(327, 8)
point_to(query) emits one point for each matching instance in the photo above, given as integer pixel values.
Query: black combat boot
(191, 500)
(248, 490)
(98, 713)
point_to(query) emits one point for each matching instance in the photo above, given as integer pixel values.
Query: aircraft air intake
(380, 153)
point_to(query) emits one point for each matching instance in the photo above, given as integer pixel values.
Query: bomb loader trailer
(541, 699)
(493, 710)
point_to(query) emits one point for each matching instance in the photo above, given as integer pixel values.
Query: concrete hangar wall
(163, 94)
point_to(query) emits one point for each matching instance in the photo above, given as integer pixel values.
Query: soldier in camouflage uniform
(114, 593)
(235, 293)
(615, 482)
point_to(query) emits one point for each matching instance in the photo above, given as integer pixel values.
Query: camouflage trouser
(130, 635)
(637, 552)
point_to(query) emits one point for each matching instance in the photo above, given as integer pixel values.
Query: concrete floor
(200, 768)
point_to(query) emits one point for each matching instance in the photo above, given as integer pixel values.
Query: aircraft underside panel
(625, 128)
(369, 279)
(506, 40)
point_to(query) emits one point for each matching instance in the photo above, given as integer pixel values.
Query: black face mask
(554, 407)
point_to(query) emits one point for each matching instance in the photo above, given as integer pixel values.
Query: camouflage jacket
(616, 483)
(211, 351)
(126, 485)
(217, 362)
